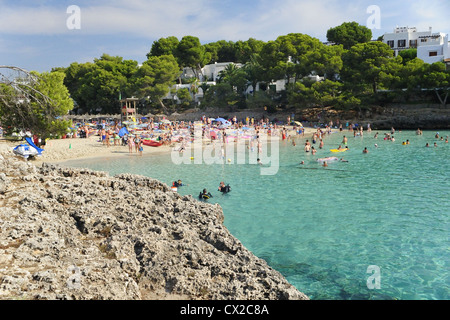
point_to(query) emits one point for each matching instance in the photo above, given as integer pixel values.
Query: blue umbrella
(123, 132)
(220, 120)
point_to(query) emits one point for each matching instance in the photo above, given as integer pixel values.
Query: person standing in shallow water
(130, 144)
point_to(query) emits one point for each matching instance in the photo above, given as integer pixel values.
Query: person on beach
(103, 132)
(130, 144)
(137, 141)
(141, 148)
(116, 139)
(107, 138)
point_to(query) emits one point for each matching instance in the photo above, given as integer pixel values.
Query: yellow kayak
(337, 150)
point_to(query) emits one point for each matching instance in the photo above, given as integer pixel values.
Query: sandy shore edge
(62, 150)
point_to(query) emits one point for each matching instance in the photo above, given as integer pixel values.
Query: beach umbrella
(123, 132)
(298, 123)
(220, 120)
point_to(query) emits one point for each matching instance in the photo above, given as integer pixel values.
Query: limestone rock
(79, 234)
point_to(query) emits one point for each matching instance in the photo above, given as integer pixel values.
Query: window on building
(401, 43)
(390, 43)
(413, 43)
(432, 53)
(423, 40)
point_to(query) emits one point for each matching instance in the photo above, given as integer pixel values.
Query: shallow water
(323, 227)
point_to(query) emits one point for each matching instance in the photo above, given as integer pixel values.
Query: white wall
(441, 47)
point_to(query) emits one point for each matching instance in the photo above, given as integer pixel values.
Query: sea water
(375, 227)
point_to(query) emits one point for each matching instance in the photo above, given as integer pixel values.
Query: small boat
(151, 143)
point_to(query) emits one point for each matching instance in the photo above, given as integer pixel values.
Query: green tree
(315, 94)
(365, 65)
(349, 34)
(236, 77)
(191, 54)
(96, 87)
(221, 51)
(254, 72)
(245, 50)
(221, 96)
(184, 96)
(408, 55)
(155, 78)
(36, 103)
(163, 47)
(437, 79)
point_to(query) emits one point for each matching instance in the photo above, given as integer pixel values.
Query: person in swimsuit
(130, 144)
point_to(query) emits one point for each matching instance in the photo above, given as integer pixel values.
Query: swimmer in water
(365, 150)
(325, 164)
(205, 195)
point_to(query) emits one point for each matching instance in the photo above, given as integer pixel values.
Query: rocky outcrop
(79, 234)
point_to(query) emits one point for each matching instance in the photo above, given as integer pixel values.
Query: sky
(40, 35)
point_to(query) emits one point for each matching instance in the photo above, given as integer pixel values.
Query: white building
(209, 72)
(437, 49)
(431, 47)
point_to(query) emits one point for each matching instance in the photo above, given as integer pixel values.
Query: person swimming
(178, 183)
(205, 195)
(224, 188)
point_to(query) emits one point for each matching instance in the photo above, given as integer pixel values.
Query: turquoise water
(323, 227)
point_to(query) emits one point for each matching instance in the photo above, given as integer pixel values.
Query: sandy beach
(60, 150)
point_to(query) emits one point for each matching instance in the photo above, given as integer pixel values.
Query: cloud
(207, 19)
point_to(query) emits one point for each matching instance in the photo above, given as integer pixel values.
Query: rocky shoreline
(80, 234)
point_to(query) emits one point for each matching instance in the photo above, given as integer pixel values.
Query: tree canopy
(348, 34)
(35, 102)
